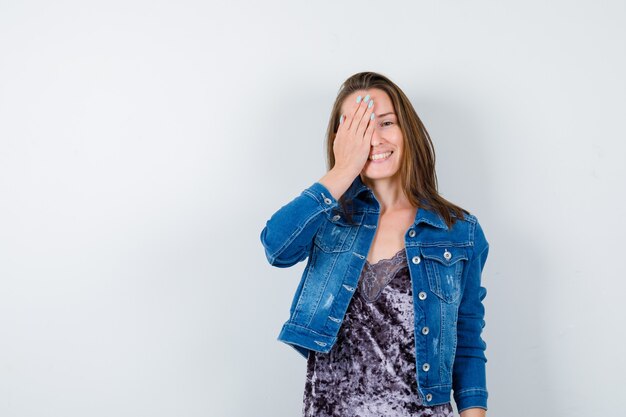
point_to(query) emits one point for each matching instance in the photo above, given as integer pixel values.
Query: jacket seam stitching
(308, 329)
(463, 391)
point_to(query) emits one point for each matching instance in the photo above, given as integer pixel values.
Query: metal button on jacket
(328, 200)
(412, 233)
(429, 397)
(425, 330)
(336, 217)
(426, 367)
(416, 259)
(422, 295)
(447, 255)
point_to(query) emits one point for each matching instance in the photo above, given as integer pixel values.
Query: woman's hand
(354, 136)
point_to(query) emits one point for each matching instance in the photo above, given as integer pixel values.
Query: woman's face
(387, 136)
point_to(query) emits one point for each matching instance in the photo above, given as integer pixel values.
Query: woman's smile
(380, 157)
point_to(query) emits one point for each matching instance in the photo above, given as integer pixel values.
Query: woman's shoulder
(470, 224)
(465, 229)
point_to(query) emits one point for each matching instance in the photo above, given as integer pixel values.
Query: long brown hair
(417, 167)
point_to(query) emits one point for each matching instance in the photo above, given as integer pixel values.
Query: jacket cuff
(320, 193)
(471, 398)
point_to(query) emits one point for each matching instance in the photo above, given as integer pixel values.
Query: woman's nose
(377, 138)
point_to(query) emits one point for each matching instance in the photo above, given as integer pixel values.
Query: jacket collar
(423, 215)
(430, 217)
(356, 188)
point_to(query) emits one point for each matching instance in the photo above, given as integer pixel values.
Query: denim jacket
(445, 267)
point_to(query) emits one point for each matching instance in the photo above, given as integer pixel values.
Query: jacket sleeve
(469, 373)
(288, 234)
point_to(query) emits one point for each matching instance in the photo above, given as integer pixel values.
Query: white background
(144, 144)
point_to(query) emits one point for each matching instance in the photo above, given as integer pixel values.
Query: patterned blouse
(370, 370)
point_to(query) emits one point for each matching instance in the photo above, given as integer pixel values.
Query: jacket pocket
(444, 267)
(336, 234)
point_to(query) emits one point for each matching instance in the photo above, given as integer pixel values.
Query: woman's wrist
(337, 181)
(474, 412)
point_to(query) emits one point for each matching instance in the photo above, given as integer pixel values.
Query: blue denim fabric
(445, 266)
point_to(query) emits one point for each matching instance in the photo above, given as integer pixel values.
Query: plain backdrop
(144, 144)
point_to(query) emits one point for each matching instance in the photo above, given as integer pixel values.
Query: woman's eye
(383, 123)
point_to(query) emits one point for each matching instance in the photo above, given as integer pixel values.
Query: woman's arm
(469, 372)
(288, 234)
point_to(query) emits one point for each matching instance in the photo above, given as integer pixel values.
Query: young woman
(389, 310)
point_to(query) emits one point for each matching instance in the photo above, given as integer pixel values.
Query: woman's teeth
(380, 156)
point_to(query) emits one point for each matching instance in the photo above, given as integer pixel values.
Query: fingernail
(341, 119)
(358, 99)
(367, 97)
(371, 104)
(372, 116)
